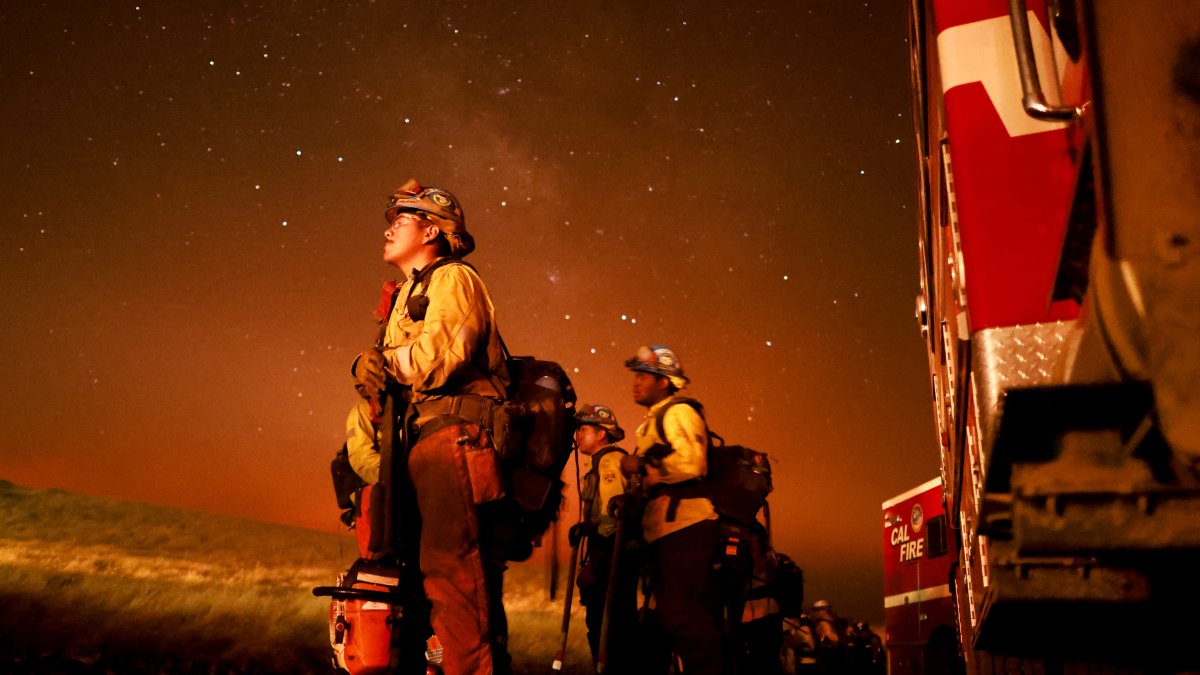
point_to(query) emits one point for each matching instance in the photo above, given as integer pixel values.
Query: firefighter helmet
(601, 416)
(659, 360)
(434, 201)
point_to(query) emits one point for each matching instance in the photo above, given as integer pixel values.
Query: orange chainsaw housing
(361, 611)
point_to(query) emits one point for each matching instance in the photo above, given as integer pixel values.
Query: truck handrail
(1033, 100)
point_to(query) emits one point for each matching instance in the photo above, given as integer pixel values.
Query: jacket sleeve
(612, 481)
(455, 322)
(611, 484)
(360, 442)
(688, 437)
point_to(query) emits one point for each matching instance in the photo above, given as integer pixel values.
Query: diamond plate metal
(1011, 357)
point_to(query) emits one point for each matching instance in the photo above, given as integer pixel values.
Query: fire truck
(1058, 171)
(918, 607)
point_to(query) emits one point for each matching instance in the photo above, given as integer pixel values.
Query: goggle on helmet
(434, 201)
(412, 196)
(658, 360)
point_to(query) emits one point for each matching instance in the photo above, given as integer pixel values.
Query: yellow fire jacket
(687, 435)
(600, 484)
(360, 442)
(455, 349)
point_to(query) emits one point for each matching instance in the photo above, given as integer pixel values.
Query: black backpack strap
(662, 413)
(418, 303)
(419, 277)
(608, 449)
(688, 489)
(604, 451)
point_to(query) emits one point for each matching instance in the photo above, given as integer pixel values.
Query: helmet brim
(678, 380)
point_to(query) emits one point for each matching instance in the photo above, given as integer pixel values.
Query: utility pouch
(586, 578)
(484, 472)
(506, 449)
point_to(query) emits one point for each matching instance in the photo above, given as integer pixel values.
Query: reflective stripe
(983, 52)
(912, 493)
(923, 595)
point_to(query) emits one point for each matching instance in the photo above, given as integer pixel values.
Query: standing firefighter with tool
(680, 525)
(441, 367)
(602, 494)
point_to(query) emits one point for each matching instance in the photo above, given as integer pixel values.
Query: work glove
(369, 374)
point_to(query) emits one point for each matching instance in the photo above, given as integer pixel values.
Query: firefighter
(831, 657)
(800, 645)
(604, 487)
(679, 525)
(363, 455)
(870, 659)
(441, 353)
(760, 631)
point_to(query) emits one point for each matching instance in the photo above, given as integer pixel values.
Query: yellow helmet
(435, 201)
(659, 360)
(601, 416)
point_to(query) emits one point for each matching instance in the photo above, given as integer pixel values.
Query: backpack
(346, 484)
(738, 479)
(533, 437)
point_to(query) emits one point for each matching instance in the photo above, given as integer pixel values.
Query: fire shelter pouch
(484, 471)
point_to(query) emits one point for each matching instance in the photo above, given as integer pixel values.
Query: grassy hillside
(100, 585)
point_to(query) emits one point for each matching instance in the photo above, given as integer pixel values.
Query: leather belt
(436, 414)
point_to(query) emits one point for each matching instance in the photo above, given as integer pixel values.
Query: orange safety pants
(456, 580)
